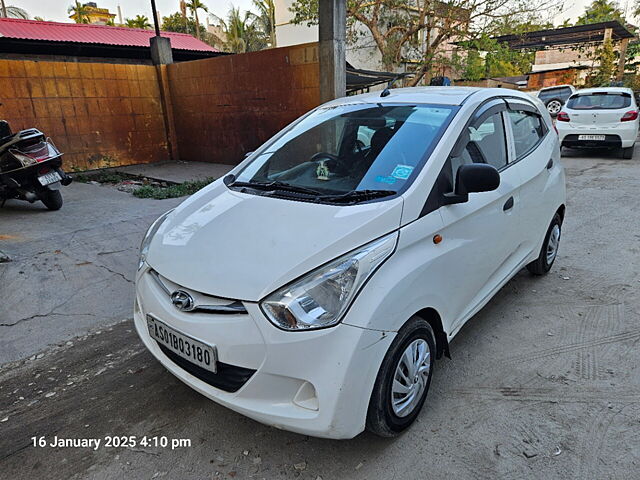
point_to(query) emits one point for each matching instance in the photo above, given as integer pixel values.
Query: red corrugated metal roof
(82, 33)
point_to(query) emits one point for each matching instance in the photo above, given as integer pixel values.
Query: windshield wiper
(357, 195)
(276, 185)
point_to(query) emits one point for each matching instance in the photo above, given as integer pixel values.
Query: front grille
(229, 377)
(231, 307)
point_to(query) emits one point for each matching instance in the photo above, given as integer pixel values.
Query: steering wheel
(321, 155)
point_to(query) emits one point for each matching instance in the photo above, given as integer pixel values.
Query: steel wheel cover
(410, 377)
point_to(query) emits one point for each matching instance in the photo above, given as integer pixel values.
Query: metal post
(155, 17)
(332, 17)
(4, 9)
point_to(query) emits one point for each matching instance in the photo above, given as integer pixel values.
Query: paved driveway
(544, 382)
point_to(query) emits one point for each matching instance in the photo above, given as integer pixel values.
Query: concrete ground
(544, 382)
(177, 171)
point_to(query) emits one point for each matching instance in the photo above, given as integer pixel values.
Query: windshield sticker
(402, 172)
(388, 180)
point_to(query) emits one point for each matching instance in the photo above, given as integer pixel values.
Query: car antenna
(386, 92)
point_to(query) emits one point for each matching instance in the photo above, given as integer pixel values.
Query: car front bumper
(315, 382)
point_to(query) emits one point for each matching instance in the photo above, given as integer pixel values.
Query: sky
(57, 9)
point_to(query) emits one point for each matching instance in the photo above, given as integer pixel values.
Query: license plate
(591, 137)
(196, 352)
(49, 178)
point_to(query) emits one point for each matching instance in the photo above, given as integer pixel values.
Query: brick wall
(97, 114)
(226, 106)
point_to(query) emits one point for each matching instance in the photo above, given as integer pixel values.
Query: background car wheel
(554, 106)
(549, 250)
(403, 380)
(52, 199)
(627, 153)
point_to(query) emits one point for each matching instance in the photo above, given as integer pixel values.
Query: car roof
(429, 95)
(584, 91)
(556, 86)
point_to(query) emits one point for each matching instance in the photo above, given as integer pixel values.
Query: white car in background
(314, 286)
(604, 117)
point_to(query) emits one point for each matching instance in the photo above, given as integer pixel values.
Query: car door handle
(508, 204)
(550, 164)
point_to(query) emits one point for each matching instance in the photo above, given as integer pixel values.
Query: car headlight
(321, 298)
(146, 241)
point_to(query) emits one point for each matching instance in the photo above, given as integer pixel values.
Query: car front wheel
(403, 380)
(549, 249)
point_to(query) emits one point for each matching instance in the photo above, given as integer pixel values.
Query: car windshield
(351, 148)
(599, 101)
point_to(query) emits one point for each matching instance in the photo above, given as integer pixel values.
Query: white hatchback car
(314, 286)
(600, 118)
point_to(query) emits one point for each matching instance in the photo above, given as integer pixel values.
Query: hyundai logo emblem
(182, 301)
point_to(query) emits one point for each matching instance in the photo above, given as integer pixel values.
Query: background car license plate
(49, 178)
(591, 137)
(196, 352)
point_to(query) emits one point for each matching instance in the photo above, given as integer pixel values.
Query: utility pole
(4, 9)
(161, 53)
(155, 17)
(332, 18)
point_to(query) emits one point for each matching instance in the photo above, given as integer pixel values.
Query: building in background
(567, 55)
(94, 14)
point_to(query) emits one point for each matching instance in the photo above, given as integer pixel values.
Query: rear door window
(528, 130)
(599, 101)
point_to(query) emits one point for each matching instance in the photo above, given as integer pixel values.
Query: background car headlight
(322, 297)
(146, 241)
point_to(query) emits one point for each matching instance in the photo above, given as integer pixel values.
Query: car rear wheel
(627, 153)
(403, 380)
(549, 249)
(52, 199)
(554, 106)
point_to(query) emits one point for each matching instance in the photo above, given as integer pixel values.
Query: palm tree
(243, 32)
(80, 12)
(194, 6)
(266, 19)
(141, 21)
(15, 12)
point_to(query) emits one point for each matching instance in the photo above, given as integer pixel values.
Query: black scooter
(30, 167)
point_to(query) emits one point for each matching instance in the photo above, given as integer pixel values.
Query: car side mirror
(473, 178)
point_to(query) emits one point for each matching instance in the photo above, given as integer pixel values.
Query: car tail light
(564, 117)
(629, 116)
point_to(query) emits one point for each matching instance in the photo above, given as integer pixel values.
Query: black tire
(555, 101)
(542, 265)
(52, 199)
(381, 418)
(627, 153)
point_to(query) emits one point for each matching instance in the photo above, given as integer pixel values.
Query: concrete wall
(224, 107)
(97, 114)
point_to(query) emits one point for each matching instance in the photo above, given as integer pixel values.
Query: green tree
(417, 32)
(141, 21)
(266, 19)
(601, 11)
(80, 11)
(605, 72)
(194, 6)
(177, 23)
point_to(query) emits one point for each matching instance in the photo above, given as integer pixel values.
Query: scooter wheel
(52, 199)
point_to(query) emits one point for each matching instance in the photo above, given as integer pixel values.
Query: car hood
(235, 245)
